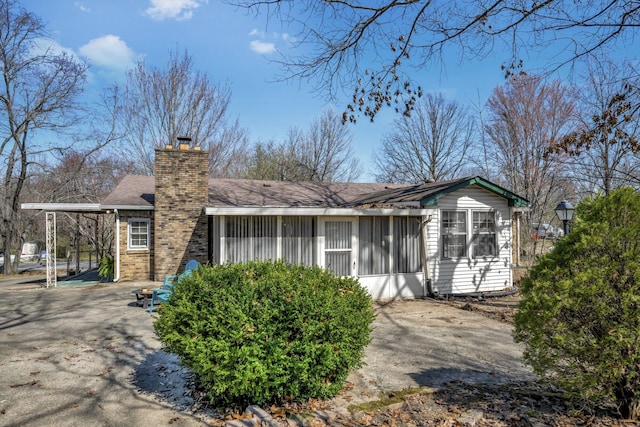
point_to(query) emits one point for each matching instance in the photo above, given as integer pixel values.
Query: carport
(50, 210)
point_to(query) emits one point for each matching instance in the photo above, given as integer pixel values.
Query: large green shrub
(264, 331)
(580, 314)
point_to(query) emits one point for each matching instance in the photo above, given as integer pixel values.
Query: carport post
(52, 270)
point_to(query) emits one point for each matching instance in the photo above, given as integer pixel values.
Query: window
(406, 244)
(484, 234)
(138, 234)
(373, 251)
(454, 234)
(298, 240)
(250, 238)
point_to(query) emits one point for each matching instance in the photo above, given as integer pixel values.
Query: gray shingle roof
(137, 192)
(133, 191)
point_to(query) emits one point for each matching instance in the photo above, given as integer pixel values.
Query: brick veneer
(180, 225)
(135, 264)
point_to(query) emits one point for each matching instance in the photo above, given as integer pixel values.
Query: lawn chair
(163, 293)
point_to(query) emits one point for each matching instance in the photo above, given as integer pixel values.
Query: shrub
(580, 314)
(264, 331)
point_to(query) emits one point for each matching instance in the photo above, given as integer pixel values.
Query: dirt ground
(460, 403)
(88, 356)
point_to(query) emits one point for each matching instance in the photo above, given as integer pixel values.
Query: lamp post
(564, 211)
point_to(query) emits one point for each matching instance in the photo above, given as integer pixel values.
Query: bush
(264, 331)
(580, 314)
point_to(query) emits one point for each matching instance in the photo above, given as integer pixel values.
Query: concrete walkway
(88, 356)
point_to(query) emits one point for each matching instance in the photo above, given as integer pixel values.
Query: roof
(428, 194)
(136, 192)
(256, 193)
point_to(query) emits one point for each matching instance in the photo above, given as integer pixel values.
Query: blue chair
(163, 293)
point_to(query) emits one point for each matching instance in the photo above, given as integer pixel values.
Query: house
(400, 241)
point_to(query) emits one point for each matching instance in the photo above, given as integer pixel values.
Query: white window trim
(130, 234)
(466, 234)
(495, 235)
(470, 243)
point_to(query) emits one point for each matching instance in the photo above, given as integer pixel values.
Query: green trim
(513, 199)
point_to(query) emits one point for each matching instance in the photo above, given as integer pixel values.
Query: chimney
(181, 194)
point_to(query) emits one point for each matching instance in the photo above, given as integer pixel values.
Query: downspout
(116, 275)
(518, 215)
(427, 287)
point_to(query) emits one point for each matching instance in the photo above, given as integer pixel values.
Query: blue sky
(234, 48)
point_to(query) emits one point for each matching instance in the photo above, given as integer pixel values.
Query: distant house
(400, 241)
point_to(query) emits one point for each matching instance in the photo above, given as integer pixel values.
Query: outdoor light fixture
(564, 211)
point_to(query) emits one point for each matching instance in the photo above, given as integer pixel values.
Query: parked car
(543, 231)
(31, 251)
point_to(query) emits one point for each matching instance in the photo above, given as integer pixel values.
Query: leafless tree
(525, 118)
(321, 154)
(325, 151)
(161, 105)
(229, 152)
(38, 94)
(604, 150)
(369, 46)
(430, 145)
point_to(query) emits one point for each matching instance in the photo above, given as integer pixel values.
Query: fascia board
(295, 211)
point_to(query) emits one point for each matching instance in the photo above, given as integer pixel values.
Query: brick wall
(135, 264)
(181, 194)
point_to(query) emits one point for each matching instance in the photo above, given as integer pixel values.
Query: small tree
(580, 313)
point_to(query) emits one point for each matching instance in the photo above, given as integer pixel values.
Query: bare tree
(430, 145)
(325, 151)
(229, 152)
(604, 149)
(38, 94)
(368, 46)
(321, 154)
(525, 118)
(161, 105)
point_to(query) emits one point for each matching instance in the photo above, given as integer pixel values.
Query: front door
(339, 247)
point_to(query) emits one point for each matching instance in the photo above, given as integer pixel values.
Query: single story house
(401, 241)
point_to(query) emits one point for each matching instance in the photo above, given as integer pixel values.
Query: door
(339, 247)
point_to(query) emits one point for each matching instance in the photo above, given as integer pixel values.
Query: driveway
(88, 356)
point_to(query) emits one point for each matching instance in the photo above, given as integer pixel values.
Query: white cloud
(180, 10)
(263, 48)
(109, 52)
(82, 7)
(43, 46)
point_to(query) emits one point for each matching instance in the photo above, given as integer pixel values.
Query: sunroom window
(251, 238)
(406, 244)
(373, 252)
(298, 240)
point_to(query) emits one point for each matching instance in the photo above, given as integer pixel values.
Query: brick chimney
(181, 193)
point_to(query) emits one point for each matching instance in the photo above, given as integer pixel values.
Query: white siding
(468, 274)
